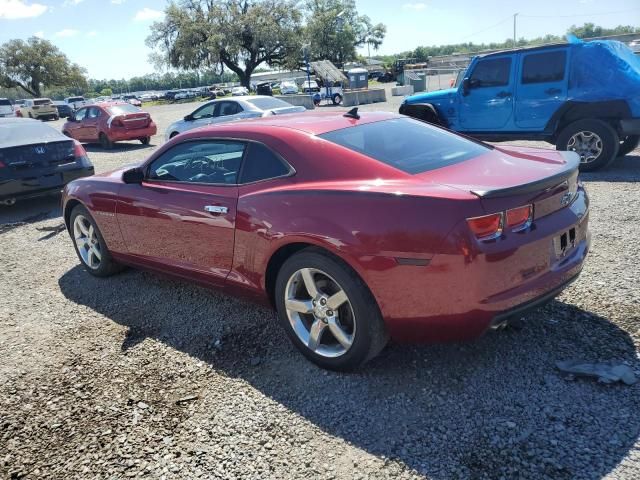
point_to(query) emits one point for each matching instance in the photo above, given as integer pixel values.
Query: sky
(107, 37)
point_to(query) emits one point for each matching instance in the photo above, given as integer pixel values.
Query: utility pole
(514, 29)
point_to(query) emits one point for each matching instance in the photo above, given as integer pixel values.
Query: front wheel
(628, 144)
(145, 140)
(89, 244)
(595, 141)
(328, 312)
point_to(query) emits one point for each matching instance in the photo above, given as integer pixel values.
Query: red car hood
(507, 171)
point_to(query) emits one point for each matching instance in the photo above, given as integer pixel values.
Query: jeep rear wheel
(595, 141)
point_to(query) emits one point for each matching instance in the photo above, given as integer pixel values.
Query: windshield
(268, 103)
(122, 109)
(406, 144)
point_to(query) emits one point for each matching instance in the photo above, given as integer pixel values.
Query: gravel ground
(140, 376)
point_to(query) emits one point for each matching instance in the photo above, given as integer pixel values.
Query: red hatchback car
(110, 122)
(356, 228)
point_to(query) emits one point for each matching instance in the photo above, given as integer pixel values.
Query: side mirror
(135, 175)
(466, 86)
(188, 118)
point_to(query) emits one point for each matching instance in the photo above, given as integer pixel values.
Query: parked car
(6, 108)
(110, 122)
(184, 94)
(527, 94)
(36, 159)
(310, 86)
(239, 91)
(356, 227)
(288, 88)
(264, 88)
(40, 109)
(170, 95)
(223, 110)
(132, 99)
(64, 109)
(75, 102)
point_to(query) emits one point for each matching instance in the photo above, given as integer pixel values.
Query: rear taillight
(117, 122)
(519, 218)
(78, 150)
(486, 227)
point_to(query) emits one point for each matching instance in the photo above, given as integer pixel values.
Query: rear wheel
(105, 142)
(328, 312)
(30, 116)
(89, 244)
(337, 99)
(145, 140)
(595, 141)
(628, 144)
(173, 134)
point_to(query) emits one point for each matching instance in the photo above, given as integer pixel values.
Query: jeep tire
(595, 141)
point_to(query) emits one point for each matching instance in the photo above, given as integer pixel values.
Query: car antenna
(353, 113)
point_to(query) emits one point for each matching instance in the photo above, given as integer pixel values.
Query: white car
(239, 91)
(228, 110)
(288, 88)
(6, 108)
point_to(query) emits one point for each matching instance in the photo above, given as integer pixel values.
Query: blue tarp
(604, 70)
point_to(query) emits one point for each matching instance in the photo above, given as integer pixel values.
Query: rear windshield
(407, 144)
(122, 109)
(17, 133)
(44, 101)
(4, 101)
(75, 99)
(268, 103)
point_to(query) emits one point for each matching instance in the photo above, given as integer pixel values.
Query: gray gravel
(137, 375)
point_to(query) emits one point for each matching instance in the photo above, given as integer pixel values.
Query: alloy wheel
(87, 241)
(586, 144)
(320, 312)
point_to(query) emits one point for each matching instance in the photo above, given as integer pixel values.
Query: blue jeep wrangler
(580, 96)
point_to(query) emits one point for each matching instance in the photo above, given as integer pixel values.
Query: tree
(237, 34)
(37, 64)
(334, 30)
(106, 92)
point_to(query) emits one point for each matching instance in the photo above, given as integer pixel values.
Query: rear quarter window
(544, 67)
(406, 144)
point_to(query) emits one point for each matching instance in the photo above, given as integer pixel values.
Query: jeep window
(544, 67)
(491, 72)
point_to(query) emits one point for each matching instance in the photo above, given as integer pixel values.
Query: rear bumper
(462, 293)
(122, 134)
(630, 126)
(24, 188)
(35, 114)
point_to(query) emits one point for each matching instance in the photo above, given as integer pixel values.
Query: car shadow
(623, 169)
(473, 400)
(29, 211)
(117, 147)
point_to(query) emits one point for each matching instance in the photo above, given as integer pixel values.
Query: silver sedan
(227, 110)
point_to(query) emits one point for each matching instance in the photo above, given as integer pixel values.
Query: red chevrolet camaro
(356, 228)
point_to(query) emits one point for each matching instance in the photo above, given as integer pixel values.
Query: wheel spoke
(90, 258)
(82, 227)
(90, 233)
(336, 300)
(96, 252)
(341, 336)
(300, 306)
(309, 282)
(315, 334)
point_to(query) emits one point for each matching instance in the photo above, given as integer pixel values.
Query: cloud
(67, 32)
(12, 9)
(92, 33)
(414, 6)
(71, 3)
(147, 14)
(117, 2)
(39, 34)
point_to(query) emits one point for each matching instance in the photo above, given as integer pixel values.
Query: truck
(579, 96)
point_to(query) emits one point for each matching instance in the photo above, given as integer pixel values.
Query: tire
(30, 116)
(628, 144)
(105, 142)
(337, 99)
(358, 319)
(173, 134)
(583, 131)
(145, 140)
(91, 241)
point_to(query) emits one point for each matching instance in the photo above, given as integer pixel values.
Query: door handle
(215, 209)
(552, 91)
(503, 94)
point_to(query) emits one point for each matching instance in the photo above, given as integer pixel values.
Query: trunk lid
(515, 176)
(132, 121)
(36, 159)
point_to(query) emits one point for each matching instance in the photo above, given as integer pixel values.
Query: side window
(260, 163)
(544, 67)
(199, 162)
(204, 112)
(228, 108)
(80, 114)
(93, 112)
(491, 72)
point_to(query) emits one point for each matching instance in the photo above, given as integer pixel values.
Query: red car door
(76, 127)
(90, 124)
(183, 214)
